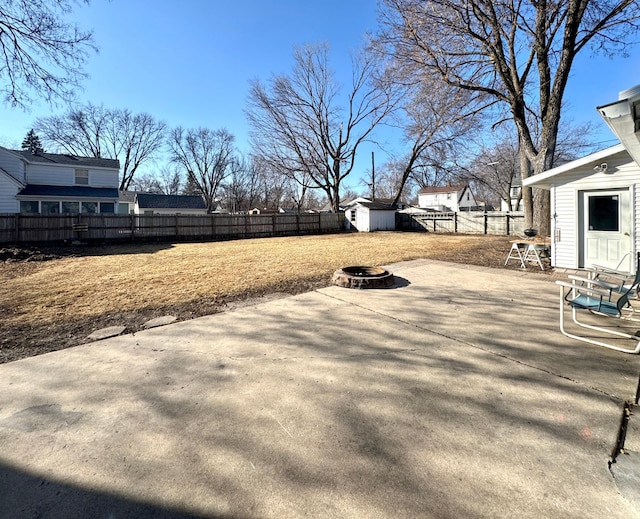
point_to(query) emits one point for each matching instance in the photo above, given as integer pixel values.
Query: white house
(595, 200)
(447, 198)
(366, 216)
(49, 183)
(515, 194)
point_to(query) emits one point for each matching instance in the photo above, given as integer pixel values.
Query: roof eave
(545, 179)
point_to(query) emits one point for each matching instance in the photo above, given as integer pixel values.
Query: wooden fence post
(455, 222)
(486, 222)
(508, 222)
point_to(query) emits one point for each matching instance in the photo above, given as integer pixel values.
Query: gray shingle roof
(151, 201)
(69, 191)
(377, 206)
(127, 196)
(68, 160)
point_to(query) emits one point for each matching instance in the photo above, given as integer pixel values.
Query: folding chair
(599, 298)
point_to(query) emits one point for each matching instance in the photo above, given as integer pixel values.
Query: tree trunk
(541, 211)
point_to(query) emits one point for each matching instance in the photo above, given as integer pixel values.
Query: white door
(606, 229)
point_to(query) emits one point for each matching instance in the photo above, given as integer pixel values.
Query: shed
(595, 200)
(593, 220)
(366, 216)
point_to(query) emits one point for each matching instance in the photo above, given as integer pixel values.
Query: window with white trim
(82, 177)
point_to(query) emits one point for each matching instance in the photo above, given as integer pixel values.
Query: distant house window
(353, 215)
(28, 207)
(50, 207)
(89, 207)
(123, 208)
(468, 197)
(107, 207)
(71, 207)
(82, 177)
(448, 196)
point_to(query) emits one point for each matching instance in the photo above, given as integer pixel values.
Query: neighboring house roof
(546, 178)
(67, 160)
(433, 190)
(151, 201)
(69, 191)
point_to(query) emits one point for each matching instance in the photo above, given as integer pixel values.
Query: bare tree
(41, 53)
(496, 167)
(302, 128)
(166, 182)
(208, 157)
(96, 131)
(516, 52)
(437, 119)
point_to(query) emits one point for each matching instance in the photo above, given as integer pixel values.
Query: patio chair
(599, 298)
(613, 280)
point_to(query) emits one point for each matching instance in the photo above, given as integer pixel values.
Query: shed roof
(152, 201)
(377, 206)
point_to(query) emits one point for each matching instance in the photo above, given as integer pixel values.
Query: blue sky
(189, 63)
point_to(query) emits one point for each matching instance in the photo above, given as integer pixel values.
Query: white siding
(382, 220)
(464, 202)
(173, 211)
(104, 178)
(50, 175)
(8, 191)
(362, 218)
(61, 175)
(12, 164)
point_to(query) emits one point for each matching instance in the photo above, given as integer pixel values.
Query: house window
(50, 207)
(29, 207)
(82, 177)
(89, 207)
(123, 208)
(107, 207)
(353, 215)
(70, 207)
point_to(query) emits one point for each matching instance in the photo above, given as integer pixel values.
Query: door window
(604, 212)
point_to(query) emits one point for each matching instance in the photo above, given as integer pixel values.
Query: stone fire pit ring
(363, 277)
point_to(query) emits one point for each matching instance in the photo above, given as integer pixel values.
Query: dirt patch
(54, 297)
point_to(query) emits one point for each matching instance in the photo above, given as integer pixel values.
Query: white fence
(468, 222)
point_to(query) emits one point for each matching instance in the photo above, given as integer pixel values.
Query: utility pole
(373, 177)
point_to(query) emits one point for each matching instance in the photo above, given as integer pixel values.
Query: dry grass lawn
(49, 305)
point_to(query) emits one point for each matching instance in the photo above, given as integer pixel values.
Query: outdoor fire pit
(363, 277)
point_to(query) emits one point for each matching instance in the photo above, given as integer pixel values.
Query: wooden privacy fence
(470, 222)
(21, 228)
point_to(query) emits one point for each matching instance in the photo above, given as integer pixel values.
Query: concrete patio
(451, 395)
